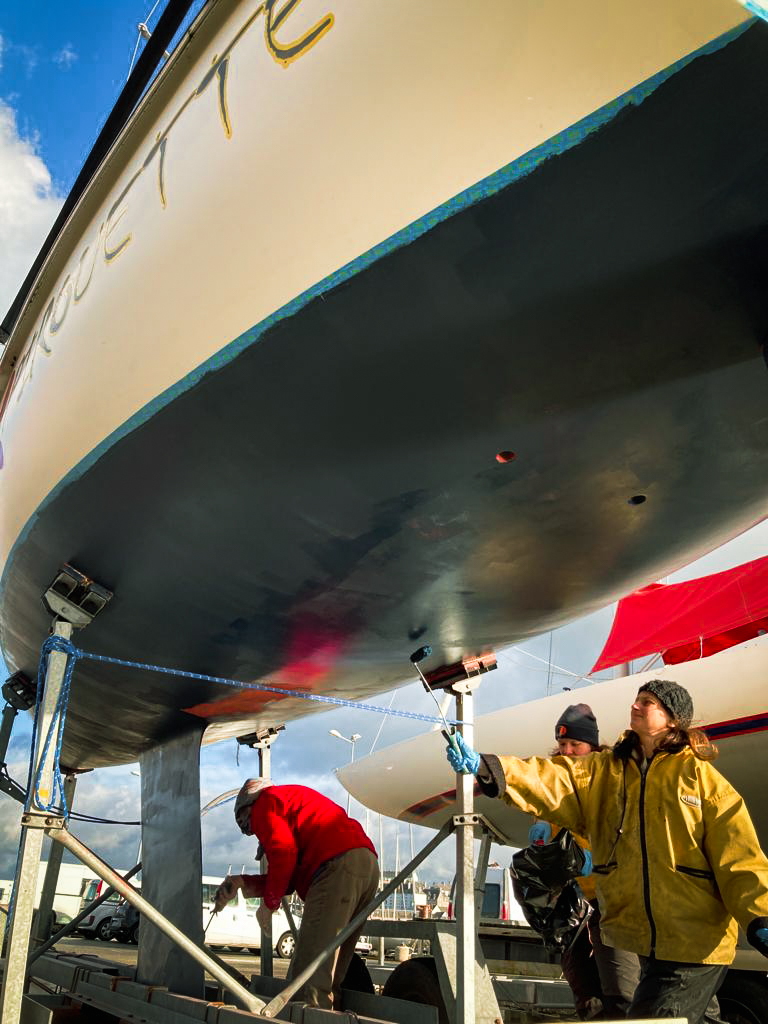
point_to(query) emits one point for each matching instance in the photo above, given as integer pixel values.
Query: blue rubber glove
(539, 834)
(587, 869)
(468, 762)
(759, 939)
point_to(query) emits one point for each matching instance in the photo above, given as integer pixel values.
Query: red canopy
(690, 620)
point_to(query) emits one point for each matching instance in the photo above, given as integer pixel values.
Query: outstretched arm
(552, 788)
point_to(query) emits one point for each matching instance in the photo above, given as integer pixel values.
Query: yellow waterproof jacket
(686, 862)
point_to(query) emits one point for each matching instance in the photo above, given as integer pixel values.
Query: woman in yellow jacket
(679, 864)
(603, 979)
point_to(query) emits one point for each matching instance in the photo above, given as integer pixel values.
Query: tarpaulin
(685, 621)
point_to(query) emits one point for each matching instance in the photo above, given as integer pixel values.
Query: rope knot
(48, 801)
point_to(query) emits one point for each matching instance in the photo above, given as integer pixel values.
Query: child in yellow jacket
(602, 978)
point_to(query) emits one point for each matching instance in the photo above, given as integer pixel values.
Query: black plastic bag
(543, 881)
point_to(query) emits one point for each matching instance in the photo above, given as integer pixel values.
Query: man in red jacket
(315, 849)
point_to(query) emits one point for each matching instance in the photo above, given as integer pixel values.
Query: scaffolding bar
(70, 926)
(198, 953)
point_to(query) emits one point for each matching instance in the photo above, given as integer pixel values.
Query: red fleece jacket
(300, 829)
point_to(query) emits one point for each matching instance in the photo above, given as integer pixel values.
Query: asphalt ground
(125, 953)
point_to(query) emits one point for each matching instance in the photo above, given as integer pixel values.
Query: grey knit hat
(249, 793)
(675, 699)
(577, 723)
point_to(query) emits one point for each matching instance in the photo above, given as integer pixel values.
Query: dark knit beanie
(675, 698)
(577, 723)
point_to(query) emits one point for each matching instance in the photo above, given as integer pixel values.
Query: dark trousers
(602, 979)
(580, 971)
(669, 988)
(619, 972)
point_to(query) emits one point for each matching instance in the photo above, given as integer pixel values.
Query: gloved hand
(468, 762)
(539, 834)
(587, 869)
(264, 917)
(227, 891)
(758, 937)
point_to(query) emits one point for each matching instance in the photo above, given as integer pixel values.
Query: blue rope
(56, 728)
(301, 694)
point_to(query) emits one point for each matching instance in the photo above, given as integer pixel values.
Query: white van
(236, 925)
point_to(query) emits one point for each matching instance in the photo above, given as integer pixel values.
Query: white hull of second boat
(412, 781)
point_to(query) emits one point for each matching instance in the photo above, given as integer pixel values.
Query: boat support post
(172, 855)
(461, 679)
(262, 741)
(34, 824)
(465, 866)
(45, 909)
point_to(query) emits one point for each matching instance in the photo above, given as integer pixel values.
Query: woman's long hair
(677, 739)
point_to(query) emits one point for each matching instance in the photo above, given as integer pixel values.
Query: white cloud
(28, 205)
(65, 57)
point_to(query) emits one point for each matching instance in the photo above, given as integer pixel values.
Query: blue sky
(61, 68)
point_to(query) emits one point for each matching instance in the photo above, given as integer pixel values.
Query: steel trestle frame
(33, 832)
(203, 956)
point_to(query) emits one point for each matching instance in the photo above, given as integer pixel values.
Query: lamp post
(352, 740)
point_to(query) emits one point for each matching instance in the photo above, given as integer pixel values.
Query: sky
(61, 68)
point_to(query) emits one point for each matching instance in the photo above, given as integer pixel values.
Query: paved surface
(123, 953)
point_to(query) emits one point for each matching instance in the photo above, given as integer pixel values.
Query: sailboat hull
(331, 360)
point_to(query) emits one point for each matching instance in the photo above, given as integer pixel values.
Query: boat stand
(466, 985)
(33, 825)
(261, 741)
(116, 991)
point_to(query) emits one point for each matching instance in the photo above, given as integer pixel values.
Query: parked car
(96, 925)
(123, 925)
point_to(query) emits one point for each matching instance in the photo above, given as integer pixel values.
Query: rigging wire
(142, 25)
(383, 722)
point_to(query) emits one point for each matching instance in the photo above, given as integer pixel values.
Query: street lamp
(347, 739)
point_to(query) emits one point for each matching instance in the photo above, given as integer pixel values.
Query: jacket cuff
(490, 776)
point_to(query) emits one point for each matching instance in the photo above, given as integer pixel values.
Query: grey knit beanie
(577, 723)
(675, 699)
(249, 793)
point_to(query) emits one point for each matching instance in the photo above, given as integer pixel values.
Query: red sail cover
(685, 621)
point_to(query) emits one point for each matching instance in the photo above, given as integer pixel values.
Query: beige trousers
(338, 892)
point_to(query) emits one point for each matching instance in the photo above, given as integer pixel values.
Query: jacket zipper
(644, 851)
